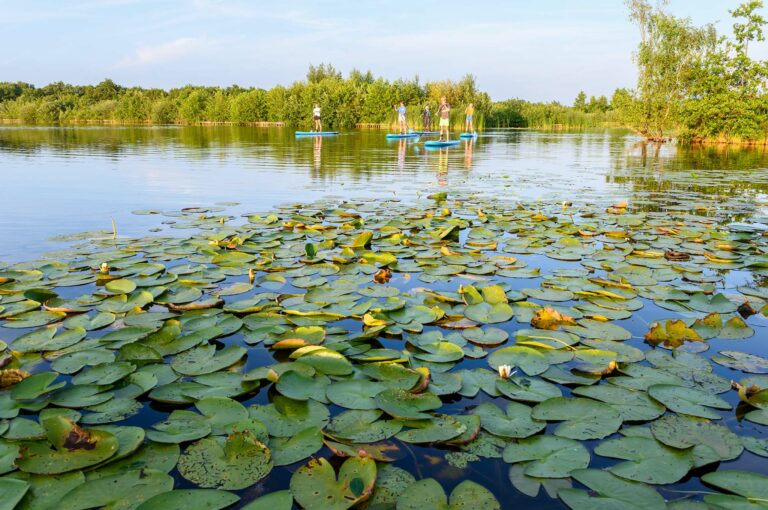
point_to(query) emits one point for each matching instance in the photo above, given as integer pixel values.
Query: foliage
(701, 86)
(360, 98)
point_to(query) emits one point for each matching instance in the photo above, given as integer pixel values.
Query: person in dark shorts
(316, 118)
(427, 118)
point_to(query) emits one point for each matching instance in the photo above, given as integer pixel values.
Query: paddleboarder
(444, 111)
(427, 118)
(316, 118)
(469, 126)
(402, 124)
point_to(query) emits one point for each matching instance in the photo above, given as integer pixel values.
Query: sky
(539, 50)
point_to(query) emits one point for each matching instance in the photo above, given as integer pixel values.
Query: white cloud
(159, 53)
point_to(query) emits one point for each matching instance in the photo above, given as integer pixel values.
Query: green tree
(580, 103)
(728, 90)
(667, 56)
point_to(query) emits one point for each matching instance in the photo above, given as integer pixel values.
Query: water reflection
(84, 176)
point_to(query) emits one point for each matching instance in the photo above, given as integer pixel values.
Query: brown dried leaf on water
(676, 255)
(11, 376)
(383, 275)
(549, 318)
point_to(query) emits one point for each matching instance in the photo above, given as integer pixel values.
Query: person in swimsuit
(402, 124)
(469, 126)
(316, 118)
(444, 111)
(427, 118)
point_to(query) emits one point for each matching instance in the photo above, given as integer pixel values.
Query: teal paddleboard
(468, 135)
(399, 135)
(316, 133)
(437, 143)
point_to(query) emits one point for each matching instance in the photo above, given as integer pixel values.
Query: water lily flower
(104, 268)
(505, 371)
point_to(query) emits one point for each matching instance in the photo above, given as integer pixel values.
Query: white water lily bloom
(104, 268)
(505, 371)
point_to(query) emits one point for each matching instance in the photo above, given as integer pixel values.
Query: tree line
(345, 102)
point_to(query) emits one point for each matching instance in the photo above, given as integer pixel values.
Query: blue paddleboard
(436, 143)
(468, 135)
(316, 133)
(398, 135)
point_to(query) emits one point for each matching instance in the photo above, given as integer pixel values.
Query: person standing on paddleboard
(469, 126)
(444, 111)
(427, 118)
(316, 118)
(403, 125)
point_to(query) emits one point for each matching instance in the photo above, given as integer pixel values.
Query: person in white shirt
(316, 118)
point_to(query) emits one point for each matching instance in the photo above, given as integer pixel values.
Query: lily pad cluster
(335, 339)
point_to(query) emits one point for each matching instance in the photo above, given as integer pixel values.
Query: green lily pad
(233, 463)
(428, 494)
(296, 448)
(277, 500)
(515, 422)
(363, 426)
(391, 482)
(531, 485)
(120, 286)
(527, 389)
(751, 489)
(70, 448)
(549, 456)
(607, 491)
(206, 359)
(286, 417)
(190, 499)
(647, 460)
(581, 418)
(355, 393)
(441, 427)
(710, 442)
(406, 405)
(13, 491)
(632, 405)
(743, 361)
(688, 401)
(532, 361)
(315, 486)
(120, 491)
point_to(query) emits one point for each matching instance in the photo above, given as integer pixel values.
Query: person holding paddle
(444, 111)
(403, 125)
(316, 118)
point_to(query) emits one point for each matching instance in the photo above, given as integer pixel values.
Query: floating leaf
(233, 463)
(315, 486)
(550, 456)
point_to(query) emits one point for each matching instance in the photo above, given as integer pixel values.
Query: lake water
(59, 180)
(64, 180)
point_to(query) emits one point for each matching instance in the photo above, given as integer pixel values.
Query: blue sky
(536, 50)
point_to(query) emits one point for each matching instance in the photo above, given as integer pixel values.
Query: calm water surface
(59, 180)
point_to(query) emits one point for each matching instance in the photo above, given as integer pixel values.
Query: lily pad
(233, 463)
(315, 485)
(549, 456)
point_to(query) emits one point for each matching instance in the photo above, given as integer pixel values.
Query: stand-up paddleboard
(427, 132)
(468, 135)
(437, 143)
(392, 136)
(316, 133)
